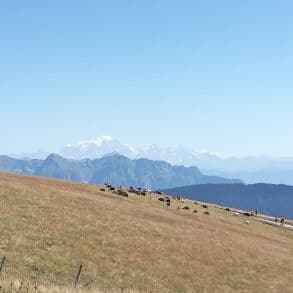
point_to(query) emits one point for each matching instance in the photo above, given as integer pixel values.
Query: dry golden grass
(49, 227)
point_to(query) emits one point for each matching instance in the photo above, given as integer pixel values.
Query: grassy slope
(49, 227)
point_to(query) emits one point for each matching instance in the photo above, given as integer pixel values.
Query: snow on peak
(94, 148)
(97, 141)
(103, 145)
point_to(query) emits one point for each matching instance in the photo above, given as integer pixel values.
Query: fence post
(78, 275)
(2, 263)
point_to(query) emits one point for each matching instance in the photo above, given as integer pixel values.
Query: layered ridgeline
(115, 169)
(249, 169)
(270, 199)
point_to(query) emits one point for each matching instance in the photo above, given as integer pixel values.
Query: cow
(122, 192)
(247, 214)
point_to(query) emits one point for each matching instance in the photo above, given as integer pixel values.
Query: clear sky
(213, 75)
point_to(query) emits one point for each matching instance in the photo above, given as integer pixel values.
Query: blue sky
(214, 75)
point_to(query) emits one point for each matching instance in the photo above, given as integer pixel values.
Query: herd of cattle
(143, 192)
(167, 200)
(122, 192)
(177, 201)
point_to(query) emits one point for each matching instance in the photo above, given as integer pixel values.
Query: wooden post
(2, 263)
(78, 275)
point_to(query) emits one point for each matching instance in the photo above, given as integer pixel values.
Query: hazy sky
(214, 75)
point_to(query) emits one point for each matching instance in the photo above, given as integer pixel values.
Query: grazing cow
(112, 188)
(204, 206)
(122, 192)
(185, 208)
(168, 203)
(103, 189)
(227, 209)
(195, 211)
(161, 199)
(206, 213)
(247, 214)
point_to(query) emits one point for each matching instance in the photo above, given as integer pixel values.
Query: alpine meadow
(146, 146)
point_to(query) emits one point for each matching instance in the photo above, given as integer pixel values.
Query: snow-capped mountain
(249, 169)
(96, 148)
(103, 145)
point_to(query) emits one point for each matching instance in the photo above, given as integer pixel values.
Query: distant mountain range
(248, 169)
(97, 148)
(189, 182)
(115, 169)
(274, 200)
